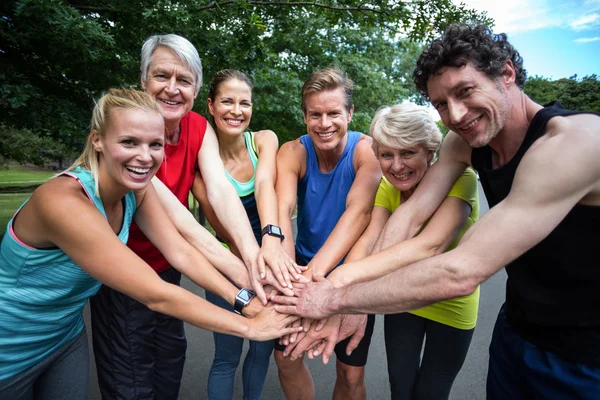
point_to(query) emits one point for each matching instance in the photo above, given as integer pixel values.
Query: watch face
(245, 295)
(276, 230)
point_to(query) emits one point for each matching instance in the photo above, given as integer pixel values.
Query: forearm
(186, 306)
(197, 268)
(285, 223)
(382, 263)
(415, 286)
(230, 212)
(346, 232)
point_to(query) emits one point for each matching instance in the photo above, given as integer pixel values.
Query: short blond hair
(405, 125)
(101, 118)
(329, 78)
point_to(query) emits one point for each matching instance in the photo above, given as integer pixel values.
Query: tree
(575, 94)
(57, 55)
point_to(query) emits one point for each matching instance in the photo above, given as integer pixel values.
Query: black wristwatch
(242, 299)
(273, 230)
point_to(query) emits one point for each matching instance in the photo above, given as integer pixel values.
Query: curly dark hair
(462, 44)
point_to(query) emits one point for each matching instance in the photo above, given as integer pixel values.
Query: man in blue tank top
(333, 174)
(540, 170)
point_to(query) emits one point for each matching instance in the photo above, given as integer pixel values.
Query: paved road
(469, 385)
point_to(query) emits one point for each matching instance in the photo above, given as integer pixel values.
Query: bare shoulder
(51, 203)
(293, 148)
(265, 137)
(575, 125)
(455, 149)
(567, 157)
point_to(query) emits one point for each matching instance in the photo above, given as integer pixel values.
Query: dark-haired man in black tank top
(540, 169)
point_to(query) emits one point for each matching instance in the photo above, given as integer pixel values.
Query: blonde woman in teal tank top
(69, 237)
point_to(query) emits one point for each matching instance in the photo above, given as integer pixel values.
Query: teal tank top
(245, 188)
(42, 292)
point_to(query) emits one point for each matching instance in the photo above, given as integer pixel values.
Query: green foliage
(57, 55)
(27, 147)
(575, 94)
(443, 128)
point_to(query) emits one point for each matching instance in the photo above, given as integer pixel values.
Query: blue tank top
(42, 292)
(322, 197)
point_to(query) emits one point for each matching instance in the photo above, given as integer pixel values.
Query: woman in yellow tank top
(405, 140)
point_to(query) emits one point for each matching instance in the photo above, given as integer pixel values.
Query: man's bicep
(543, 192)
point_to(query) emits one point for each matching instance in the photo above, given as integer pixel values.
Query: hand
(258, 282)
(273, 255)
(269, 324)
(315, 300)
(337, 328)
(253, 308)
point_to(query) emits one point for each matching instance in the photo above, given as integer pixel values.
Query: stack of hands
(294, 290)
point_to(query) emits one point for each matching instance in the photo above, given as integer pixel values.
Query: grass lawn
(9, 202)
(22, 176)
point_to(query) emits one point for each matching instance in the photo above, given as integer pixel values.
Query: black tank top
(553, 290)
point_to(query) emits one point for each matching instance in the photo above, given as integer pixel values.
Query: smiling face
(172, 83)
(327, 119)
(404, 168)
(132, 148)
(470, 103)
(231, 107)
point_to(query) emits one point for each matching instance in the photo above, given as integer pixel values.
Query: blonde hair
(101, 119)
(329, 78)
(403, 126)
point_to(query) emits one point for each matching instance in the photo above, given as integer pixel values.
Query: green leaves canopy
(56, 55)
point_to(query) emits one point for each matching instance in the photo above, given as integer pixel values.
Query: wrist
(253, 308)
(337, 301)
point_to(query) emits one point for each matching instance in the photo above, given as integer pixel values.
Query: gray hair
(405, 125)
(178, 45)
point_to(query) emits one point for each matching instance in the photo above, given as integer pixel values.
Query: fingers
(287, 331)
(292, 345)
(285, 300)
(306, 322)
(294, 335)
(286, 309)
(281, 279)
(318, 278)
(320, 324)
(354, 342)
(326, 348)
(261, 267)
(260, 293)
(311, 349)
(305, 344)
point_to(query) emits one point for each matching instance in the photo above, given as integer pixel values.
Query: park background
(57, 56)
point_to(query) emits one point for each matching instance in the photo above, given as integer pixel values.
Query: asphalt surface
(469, 384)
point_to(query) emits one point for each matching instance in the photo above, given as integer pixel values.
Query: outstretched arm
(91, 243)
(272, 253)
(224, 199)
(200, 238)
(434, 239)
(547, 185)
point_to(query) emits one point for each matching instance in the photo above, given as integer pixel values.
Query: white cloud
(513, 16)
(587, 40)
(585, 22)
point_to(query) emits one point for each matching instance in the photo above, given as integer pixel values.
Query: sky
(556, 38)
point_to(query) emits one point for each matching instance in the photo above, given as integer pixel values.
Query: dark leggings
(432, 377)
